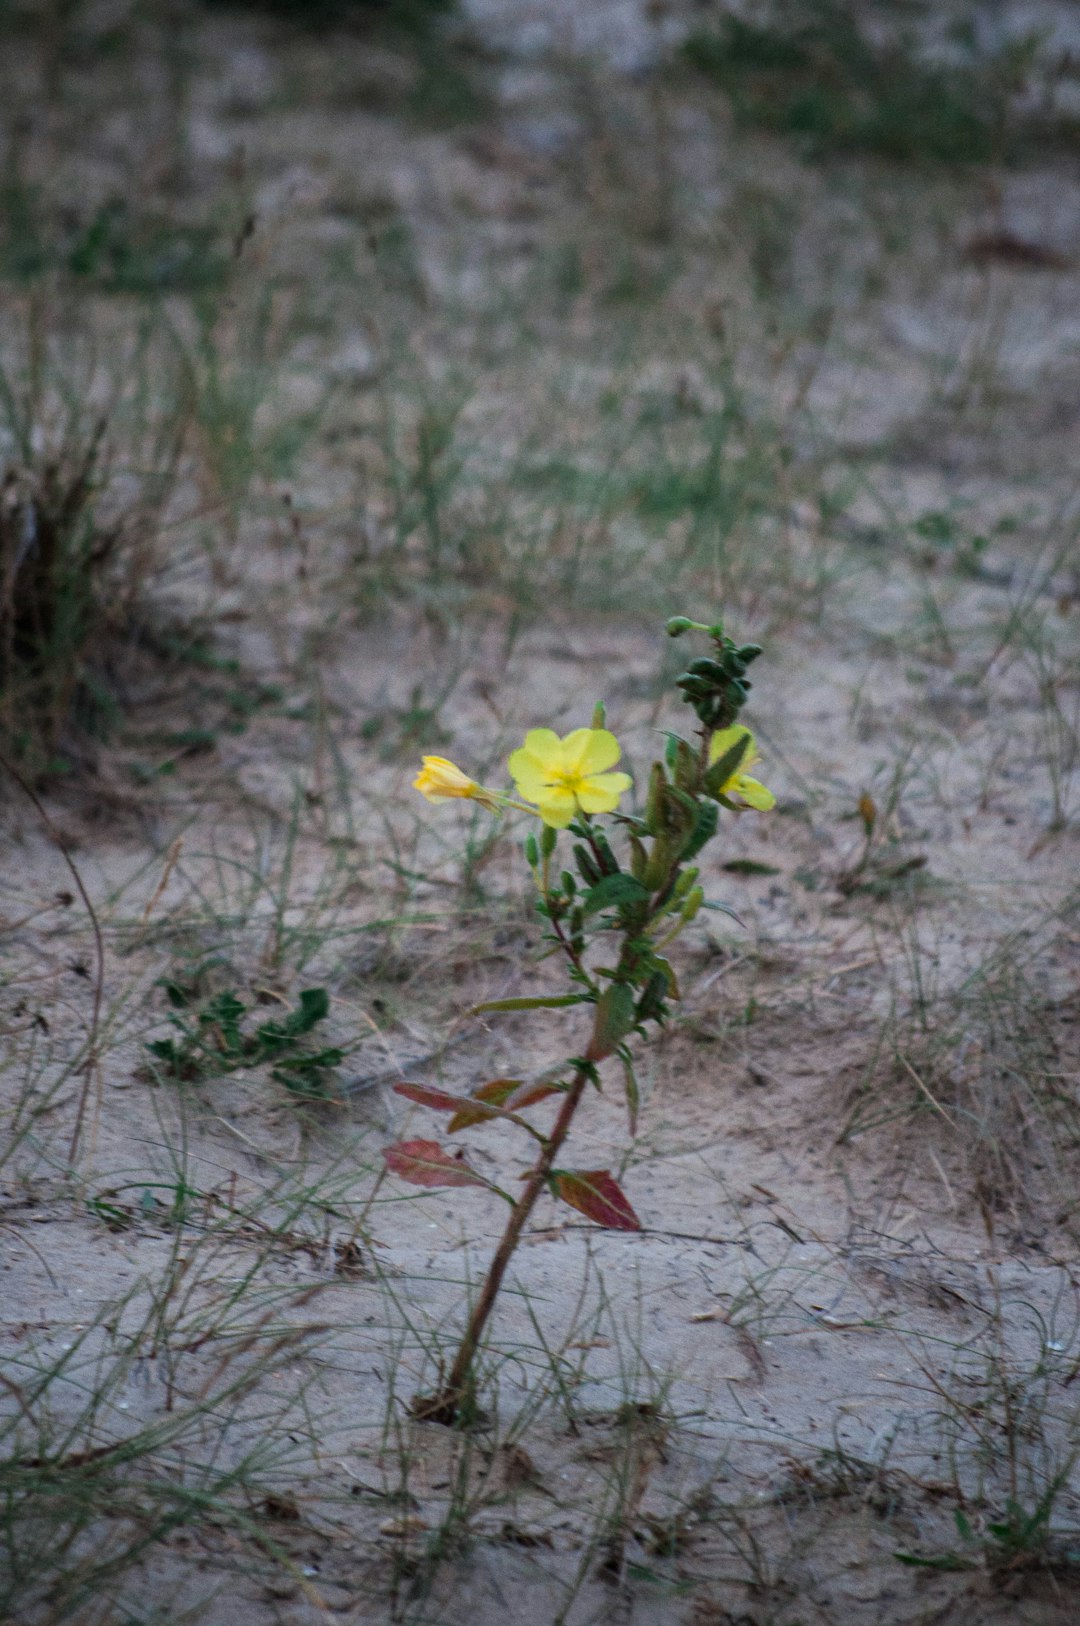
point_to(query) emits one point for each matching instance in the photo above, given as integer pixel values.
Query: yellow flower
(569, 776)
(441, 781)
(740, 787)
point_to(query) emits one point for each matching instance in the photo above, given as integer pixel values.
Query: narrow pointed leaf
(708, 817)
(722, 909)
(530, 1002)
(668, 969)
(723, 768)
(424, 1163)
(596, 1194)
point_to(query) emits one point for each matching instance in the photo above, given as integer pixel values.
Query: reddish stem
(454, 1399)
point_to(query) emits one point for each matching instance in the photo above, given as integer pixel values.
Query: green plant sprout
(214, 1040)
(642, 902)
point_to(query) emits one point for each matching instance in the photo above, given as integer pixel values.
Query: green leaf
(313, 1007)
(748, 866)
(708, 816)
(304, 1075)
(723, 909)
(614, 1019)
(614, 891)
(660, 963)
(529, 1002)
(650, 1007)
(723, 768)
(943, 1561)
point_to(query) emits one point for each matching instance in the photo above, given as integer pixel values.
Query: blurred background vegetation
(154, 321)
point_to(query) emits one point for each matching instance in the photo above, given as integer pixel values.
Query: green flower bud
(678, 625)
(686, 766)
(705, 667)
(685, 882)
(680, 811)
(532, 852)
(654, 801)
(548, 840)
(693, 903)
(658, 865)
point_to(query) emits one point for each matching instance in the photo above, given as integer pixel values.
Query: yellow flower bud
(440, 780)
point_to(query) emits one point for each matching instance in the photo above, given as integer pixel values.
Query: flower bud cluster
(715, 685)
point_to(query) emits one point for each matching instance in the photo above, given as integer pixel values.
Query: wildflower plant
(612, 916)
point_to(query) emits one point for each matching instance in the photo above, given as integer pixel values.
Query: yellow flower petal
(600, 792)
(723, 741)
(531, 778)
(564, 776)
(557, 807)
(753, 793)
(542, 743)
(589, 751)
(740, 785)
(440, 780)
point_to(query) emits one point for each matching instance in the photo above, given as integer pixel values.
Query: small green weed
(113, 250)
(814, 71)
(91, 448)
(219, 1038)
(413, 16)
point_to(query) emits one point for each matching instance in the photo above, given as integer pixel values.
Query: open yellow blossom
(740, 787)
(441, 781)
(564, 777)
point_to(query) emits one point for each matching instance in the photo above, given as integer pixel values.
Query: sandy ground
(849, 1328)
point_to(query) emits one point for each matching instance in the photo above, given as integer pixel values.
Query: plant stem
(454, 1399)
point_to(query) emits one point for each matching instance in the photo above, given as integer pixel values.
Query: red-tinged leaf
(484, 1104)
(529, 1094)
(424, 1163)
(499, 1098)
(427, 1096)
(594, 1193)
